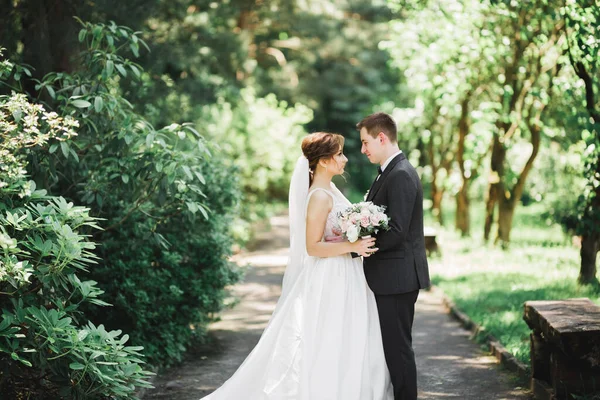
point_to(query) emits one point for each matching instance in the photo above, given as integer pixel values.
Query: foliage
(165, 296)
(495, 83)
(261, 136)
(449, 88)
(584, 51)
(48, 349)
(222, 53)
(20, 126)
(147, 184)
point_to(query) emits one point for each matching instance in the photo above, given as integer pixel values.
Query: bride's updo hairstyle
(320, 145)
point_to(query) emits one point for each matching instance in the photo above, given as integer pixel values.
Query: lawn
(490, 285)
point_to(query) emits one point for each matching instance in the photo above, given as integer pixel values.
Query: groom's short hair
(379, 122)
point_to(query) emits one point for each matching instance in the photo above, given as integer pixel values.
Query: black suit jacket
(400, 264)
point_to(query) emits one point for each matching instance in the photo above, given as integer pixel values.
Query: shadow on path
(450, 366)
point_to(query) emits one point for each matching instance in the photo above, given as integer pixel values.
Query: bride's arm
(319, 206)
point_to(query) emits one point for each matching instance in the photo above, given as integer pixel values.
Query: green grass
(490, 285)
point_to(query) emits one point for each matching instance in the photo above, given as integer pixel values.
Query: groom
(399, 268)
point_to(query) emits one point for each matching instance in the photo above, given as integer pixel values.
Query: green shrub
(164, 295)
(262, 136)
(48, 349)
(167, 203)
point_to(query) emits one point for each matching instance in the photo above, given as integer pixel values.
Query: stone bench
(430, 241)
(565, 348)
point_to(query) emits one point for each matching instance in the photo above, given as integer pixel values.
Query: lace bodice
(340, 203)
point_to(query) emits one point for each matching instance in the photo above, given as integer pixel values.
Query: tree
(583, 39)
(448, 77)
(528, 40)
(325, 54)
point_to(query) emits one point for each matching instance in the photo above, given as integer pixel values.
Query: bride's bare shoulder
(319, 198)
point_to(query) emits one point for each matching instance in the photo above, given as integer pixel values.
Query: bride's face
(337, 163)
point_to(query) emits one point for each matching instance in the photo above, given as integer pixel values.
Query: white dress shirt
(385, 164)
(389, 160)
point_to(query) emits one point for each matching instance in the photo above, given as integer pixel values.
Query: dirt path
(450, 365)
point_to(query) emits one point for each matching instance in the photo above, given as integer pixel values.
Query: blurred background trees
(191, 113)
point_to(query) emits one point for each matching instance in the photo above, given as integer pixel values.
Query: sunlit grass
(491, 285)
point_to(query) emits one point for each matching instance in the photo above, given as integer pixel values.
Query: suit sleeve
(401, 196)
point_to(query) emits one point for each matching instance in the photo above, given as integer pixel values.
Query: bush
(167, 203)
(262, 136)
(164, 295)
(48, 349)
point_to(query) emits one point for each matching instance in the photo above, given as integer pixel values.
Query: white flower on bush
(352, 233)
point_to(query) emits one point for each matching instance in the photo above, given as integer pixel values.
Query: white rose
(352, 233)
(344, 225)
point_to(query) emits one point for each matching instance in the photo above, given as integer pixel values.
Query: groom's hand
(368, 253)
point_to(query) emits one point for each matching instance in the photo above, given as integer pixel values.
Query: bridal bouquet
(362, 219)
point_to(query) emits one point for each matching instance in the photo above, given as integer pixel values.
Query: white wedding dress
(323, 341)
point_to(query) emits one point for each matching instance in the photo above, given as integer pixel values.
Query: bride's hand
(364, 247)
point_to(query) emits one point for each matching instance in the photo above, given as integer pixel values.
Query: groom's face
(372, 147)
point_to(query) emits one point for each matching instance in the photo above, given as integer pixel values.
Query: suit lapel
(379, 182)
(370, 192)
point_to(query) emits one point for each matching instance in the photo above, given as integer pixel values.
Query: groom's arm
(401, 196)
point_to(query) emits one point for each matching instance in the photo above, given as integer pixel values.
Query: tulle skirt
(323, 342)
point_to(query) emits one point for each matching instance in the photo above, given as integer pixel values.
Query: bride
(323, 341)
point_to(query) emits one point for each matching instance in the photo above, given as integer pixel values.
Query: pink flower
(365, 221)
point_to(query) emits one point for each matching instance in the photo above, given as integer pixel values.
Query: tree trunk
(590, 240)
(506, 212)
(490, 206)
(496, 189)
(510, 198)
(463, 220)
(590, 246)
(49, 37)
(437, 194)
(9, 27)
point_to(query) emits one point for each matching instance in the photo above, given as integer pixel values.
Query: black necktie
(379, 171)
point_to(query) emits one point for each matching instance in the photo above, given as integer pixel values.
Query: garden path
(450, 366)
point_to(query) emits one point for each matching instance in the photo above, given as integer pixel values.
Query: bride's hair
(320, 145)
